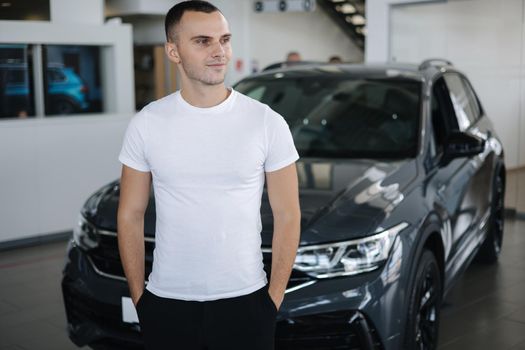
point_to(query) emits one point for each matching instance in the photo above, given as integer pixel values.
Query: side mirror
(460, 144)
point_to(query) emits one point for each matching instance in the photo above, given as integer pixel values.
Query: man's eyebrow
(200, 37)
(209, 37)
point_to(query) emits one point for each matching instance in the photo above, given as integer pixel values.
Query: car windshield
(344, 117)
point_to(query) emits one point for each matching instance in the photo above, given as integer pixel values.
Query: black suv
(402, 181)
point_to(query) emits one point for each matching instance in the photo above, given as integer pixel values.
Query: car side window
(55, 76)
(473, 100)
(460, 100)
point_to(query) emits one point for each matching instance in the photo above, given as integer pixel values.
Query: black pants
(241, 323)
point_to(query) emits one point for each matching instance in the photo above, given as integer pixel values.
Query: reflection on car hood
(344, 199)
(340, 199)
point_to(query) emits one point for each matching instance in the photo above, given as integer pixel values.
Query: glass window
(16, 82)
(72, 79)
(257, 93)
(473, 101)
(55, 75)
(344, 117)
(25, 10)
(460, 100)
(442, 120)
(155, 75)
(143, 57)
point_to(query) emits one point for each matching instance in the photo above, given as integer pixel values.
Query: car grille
(97, 323)
(347, 330)
(80, 308)
(106, 260)
(106, 257)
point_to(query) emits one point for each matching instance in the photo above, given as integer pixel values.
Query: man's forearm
(131, 249)
(284, 249)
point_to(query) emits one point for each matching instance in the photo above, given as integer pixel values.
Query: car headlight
(347, 258)
(84, 234)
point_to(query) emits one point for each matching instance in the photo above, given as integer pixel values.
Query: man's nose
(218, 50)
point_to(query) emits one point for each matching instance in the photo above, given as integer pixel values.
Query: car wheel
(491, 247)
(424, 305)
(64, 107)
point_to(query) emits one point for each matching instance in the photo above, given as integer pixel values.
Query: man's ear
(172, 52)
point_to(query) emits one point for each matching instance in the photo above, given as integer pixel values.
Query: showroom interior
(61, 144)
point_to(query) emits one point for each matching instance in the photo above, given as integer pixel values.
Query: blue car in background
(66, 91)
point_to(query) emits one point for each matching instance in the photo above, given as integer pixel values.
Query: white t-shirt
(207, 166)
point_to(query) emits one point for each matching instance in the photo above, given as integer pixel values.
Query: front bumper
(313, 317)
(93, 306)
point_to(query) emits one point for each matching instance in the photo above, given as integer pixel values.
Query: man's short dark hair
(174, 15)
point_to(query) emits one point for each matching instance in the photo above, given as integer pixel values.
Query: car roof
(420, 72)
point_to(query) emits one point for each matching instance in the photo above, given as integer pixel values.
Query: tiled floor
(485, 310)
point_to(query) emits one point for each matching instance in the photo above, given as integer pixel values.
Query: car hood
(339, 199)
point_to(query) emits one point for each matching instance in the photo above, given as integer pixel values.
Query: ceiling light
(336, 1)
(356, 20)
(361, 30)
(6, 4)
(346, 9)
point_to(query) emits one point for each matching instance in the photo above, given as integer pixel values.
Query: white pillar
(377, 47)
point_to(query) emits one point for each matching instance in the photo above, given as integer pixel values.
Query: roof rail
(428, 63)
(285, 64)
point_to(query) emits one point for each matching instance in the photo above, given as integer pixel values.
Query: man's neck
(205, 96)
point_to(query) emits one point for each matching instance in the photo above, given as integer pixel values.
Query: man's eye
(226, 40)
(201, 41)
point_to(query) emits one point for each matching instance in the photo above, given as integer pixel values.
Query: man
(207, 150)
(335, 59)
(293, 56)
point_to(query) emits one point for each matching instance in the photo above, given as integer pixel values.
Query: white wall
(148, 31)
(484, 39)
(378, 27)
(313, 34)
(77, 11)
(136, 7)
(48, 166)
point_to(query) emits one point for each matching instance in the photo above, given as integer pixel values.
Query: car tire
(491, 247)
(424, 306)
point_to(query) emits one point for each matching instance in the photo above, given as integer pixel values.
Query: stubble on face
(203, 47)
(206, 76)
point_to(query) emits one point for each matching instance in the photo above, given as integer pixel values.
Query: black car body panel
(444, 202)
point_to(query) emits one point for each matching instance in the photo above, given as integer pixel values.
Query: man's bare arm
(134, 197)
(283, 192)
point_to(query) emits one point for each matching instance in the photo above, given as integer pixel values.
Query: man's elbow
(126, 218)
(290, 217)
(127, 214)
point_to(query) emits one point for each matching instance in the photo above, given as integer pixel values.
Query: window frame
(473, 98)
(39, 81)
(461, 78)
(450, 121)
